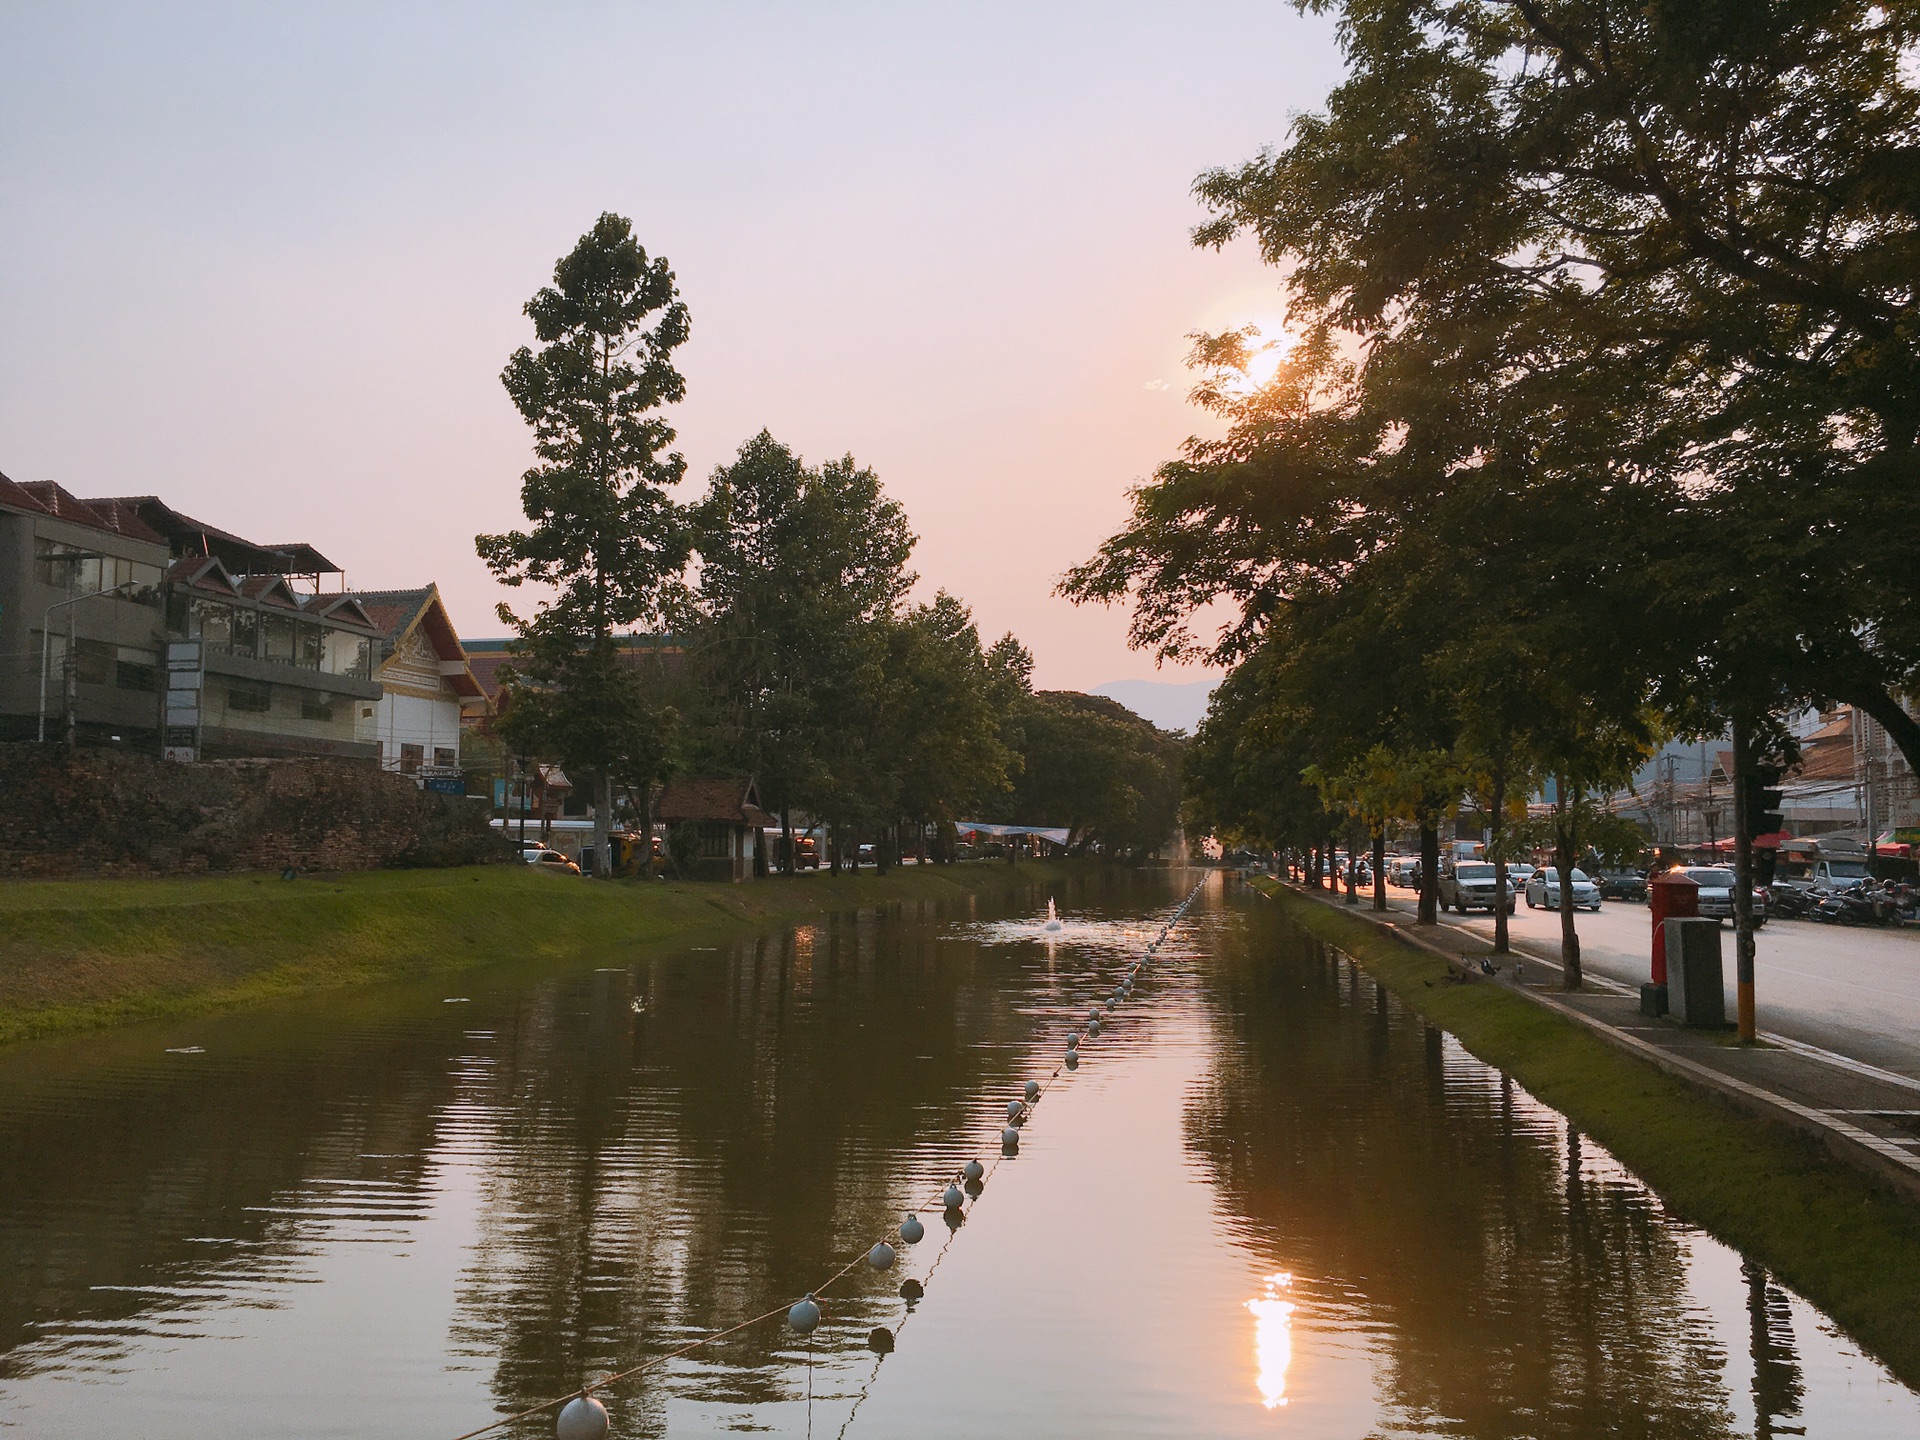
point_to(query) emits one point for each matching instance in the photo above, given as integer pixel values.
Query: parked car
(1468, 885)
(550, 860)
(1826, 877)
(1543, 890)
(1623, 884)
(1716, 893)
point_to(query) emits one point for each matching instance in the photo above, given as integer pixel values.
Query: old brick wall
(107, 812)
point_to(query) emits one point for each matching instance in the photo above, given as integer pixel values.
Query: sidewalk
(1866, 1115)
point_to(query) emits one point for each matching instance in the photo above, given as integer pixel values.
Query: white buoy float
(881, 1256)
(954, 1198)
(804, 1315)
(912, 1232)
(1014, 1107)
(582, 1418)
(1073, 1059)
(1093, 1027)
(1009, 1139)
(973, 1170)
(1033, 1091)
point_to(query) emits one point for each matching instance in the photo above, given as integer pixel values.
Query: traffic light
(1761, 808)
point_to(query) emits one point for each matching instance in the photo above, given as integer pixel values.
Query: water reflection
(466, 1208)
(1272, 1340)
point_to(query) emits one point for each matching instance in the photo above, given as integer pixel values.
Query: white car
(1715, 900)
(1543, 890)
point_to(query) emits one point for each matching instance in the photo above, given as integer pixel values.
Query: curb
(1880, 1158)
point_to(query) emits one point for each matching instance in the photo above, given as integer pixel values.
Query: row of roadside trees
(1599, 421)
(786, 646)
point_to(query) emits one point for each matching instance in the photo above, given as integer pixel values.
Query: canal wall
(1843, 1238)
(108, 812)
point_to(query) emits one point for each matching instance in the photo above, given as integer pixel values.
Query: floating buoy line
(582, 1416)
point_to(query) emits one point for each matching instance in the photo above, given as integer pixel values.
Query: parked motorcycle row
(1871, 902)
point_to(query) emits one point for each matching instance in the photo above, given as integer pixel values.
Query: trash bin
(1696, 989)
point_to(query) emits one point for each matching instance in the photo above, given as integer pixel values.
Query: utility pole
(1756, 806)
(1744, 818)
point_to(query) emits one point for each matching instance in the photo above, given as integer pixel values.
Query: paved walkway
(1867, 1114)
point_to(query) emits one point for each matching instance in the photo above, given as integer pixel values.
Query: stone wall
(108, 812)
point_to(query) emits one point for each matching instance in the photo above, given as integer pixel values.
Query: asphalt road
(1852, 991)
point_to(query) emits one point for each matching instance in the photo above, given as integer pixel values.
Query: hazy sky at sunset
(268, 260)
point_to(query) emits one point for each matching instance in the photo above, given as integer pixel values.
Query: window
(307, 650)
(249, 696)
(246, 632)
(135, 669)
(211, 624)
(62, 567)
(442, 756)
(93, 662)
(344, 653)
(411, 757)
(277, 633)
(315, 707)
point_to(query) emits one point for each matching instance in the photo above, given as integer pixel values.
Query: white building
(428, 684)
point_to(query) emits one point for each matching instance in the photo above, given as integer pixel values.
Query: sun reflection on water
(1273, 1340)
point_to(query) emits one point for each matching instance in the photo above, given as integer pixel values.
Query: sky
(267, 261)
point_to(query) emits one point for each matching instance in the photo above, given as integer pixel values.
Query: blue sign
(446, 784)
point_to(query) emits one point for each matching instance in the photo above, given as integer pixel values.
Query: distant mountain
(1169, 705)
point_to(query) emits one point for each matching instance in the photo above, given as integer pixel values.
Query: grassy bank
(1848, 1244)
(84, 953)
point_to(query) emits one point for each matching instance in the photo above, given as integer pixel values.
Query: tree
(605, 534)
(802, 571)
(939, 717)
(1721, 198)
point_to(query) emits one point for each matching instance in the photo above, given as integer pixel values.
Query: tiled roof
(18, 497)
(188, 536)
(734, 801)
(392, 611)
(110, 516)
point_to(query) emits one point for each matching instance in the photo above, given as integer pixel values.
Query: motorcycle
(1788, 901)
(1847, 907)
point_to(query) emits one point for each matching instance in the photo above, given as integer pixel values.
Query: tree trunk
(1380, 868)
(646, 830)
(1563, 853)
(1353, 885)
(1429, 873)
(602, 816)
(786, 841)
(1743, 827)
(1498, 797)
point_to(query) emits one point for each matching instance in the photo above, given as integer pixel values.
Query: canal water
(1270, 1202)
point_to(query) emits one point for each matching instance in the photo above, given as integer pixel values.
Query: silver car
(1715, 900)
(1543, 890)
(1468, 885)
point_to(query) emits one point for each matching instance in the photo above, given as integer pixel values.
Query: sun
(1268, 344)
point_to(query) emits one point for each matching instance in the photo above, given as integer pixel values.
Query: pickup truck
(1468, 885)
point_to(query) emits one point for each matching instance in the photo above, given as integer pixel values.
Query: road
(1852, 991)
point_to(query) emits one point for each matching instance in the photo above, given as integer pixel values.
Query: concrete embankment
(84, 953)
(1847, 1239)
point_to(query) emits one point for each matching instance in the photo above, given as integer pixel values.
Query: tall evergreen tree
(605, 534)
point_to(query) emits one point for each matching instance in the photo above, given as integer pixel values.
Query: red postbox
(1670, 896)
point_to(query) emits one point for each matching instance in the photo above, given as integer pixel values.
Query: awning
(1057, 834)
